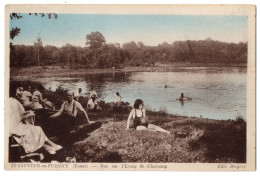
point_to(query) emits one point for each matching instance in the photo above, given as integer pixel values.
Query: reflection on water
(217, 93)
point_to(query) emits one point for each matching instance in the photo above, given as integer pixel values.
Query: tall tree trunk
(38, 56)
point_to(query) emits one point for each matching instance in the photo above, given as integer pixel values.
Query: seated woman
(118, 98)
(70, 108)
(140, 119)
(182, 97)
(42, 107)
(37, 99)
(19, 92)
(32, 137)
(26, 98)
(92, 103)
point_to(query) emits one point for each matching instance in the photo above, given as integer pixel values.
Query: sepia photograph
(130, 87)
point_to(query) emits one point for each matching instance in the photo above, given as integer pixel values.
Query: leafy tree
(112, 55)
(69, 52)
(15, 15)
(56, 56)
(117, 45)
(48, 53)
(130, 46)
(95, 40)
(14, 32)
(140, 44)
(38, 47)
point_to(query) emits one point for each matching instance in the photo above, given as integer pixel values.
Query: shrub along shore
(191, 140)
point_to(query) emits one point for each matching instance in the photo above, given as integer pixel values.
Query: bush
(239, 119)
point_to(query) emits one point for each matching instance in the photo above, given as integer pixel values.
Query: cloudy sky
(149, 29)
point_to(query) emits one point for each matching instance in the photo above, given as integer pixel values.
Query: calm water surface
(217, 93)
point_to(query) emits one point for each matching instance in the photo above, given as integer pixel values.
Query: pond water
(217, 93)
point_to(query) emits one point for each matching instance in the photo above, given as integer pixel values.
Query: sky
(149, 29)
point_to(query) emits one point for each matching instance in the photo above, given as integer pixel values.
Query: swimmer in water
(182, 97)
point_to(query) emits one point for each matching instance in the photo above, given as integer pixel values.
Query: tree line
(99, 54)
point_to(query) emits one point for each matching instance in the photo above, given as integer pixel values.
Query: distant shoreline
(60, 71)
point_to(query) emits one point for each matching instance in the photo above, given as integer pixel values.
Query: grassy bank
(66, 70)
(191, 139)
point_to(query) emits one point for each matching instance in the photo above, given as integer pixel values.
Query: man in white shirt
(92, 103)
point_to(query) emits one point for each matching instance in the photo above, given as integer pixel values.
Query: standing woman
(140, 120)
(77, 94)
(118, 98)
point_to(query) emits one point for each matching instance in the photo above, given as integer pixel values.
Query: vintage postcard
(130, 87)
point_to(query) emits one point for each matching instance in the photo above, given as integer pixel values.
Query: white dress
(32, 137)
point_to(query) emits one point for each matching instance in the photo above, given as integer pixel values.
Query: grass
(191, 139)
(204, 141)
(240, 119)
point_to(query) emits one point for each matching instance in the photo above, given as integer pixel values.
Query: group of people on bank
(26, 107)
(21, 121)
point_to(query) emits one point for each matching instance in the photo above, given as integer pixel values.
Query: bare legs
(152, 127)
(51, 147)
(156, 128)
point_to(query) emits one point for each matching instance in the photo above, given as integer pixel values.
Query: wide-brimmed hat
(93, 95)
(76, 94)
